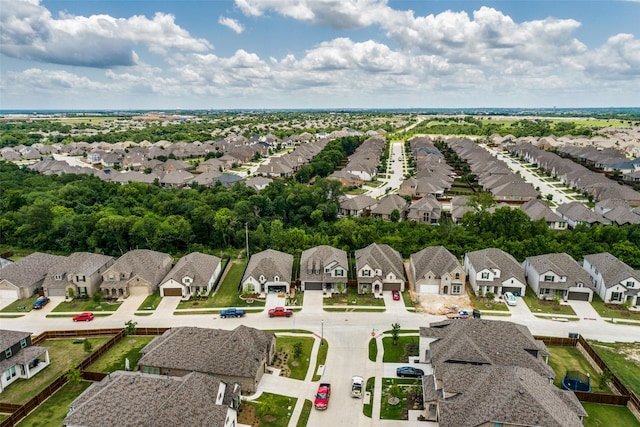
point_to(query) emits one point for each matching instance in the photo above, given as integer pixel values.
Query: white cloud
(31, 32)
(231, 23)
(54, 81)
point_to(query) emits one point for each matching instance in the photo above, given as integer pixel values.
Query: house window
(82, 291)
(485, 275)
(580, 284)
(10, 373)
(80, 278)
(629, 284)
(339, 272)
(457, 276)
(366, 273)
(548, 278)
(58, 277)
(150, 370)
(456, 289)
(8, 353)
(276, 278)
(111, 276)
(23, 343)
(616, 296)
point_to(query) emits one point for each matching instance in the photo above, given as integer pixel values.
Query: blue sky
(223, 54)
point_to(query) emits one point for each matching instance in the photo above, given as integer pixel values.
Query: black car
(40, 302)
(409, 371)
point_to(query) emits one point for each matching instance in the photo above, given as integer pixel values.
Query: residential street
(348, 336)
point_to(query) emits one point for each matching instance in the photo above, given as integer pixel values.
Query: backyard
(115, 359)
(399, 396)
(293, 365)
(565, 359)
(407, 346)
(54, 410)
(269, 410)
(623, 359)
(603, 416)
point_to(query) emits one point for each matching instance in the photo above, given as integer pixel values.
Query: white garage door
(8, 294)
(429, 289)
(139, 290)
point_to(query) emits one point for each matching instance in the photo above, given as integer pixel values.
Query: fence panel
(603, 398)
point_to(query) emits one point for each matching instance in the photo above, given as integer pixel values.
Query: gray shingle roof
(9, 338)
(436, 259)
(270, 263)
(237, 353)
(149, 265)
(383, 257)
(322, 257)
(136, 399)
(200, 267)
(563, 265)
(537, 209)
(30, 269)
(613, 270)
(77, 263)
(493, 258)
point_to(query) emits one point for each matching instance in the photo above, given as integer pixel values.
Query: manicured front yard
(622, 360)
(540, 306)
(64, 354)
(151, 302)
(54, 410)
(114, 359)
(351, 297)
(565, 359)
(407, 346)
(608, 416)
(297, 366)
(408, 393)
(80, 305)
(615, 311)
(21, 305)
(487, 304)
(270, 410)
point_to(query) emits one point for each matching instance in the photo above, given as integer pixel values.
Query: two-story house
(79, 274)
(268, 271)
(615, 282)
(19, 358)
(552, 275)
(379, 268)
(323, 268)
(435, 270)
(137, 272)
(194, 274)
(494, 271)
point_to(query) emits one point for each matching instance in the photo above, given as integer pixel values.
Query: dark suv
(40, 302)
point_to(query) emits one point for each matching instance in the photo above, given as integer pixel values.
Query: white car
(356, 387)
(510, 299)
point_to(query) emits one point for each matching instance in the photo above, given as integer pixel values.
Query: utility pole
(246, 234)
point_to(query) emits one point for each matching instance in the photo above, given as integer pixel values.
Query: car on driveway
(409, 371)
(395, 295)
(40, 302)
(509, 298)
(83, 317)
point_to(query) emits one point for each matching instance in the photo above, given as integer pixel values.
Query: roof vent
(521, 391)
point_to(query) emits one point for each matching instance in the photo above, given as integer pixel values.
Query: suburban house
(19, 358)
(195, 274)
(490, 373)
(426, 210)
(435, 270)
(493, 270)
(558, 274)
(135, 399)
(575, 213)
(379, 268)
(322, 268)
(268, 271)
(536, 209)
(23, 278)
(238, 356)
(137, 272)
(459, 207)
(80, 273)
(356, 206)
(615, 281)
(387, 205)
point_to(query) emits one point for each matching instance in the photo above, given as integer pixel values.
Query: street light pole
(322, 332)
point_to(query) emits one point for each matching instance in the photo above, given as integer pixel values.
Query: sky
(324, 54)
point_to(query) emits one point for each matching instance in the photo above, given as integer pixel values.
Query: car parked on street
(83, 317)
(410, 372)
(509, 298)
(322, 396)
(40, 302)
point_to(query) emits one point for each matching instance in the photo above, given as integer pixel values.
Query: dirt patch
(441, 304)
(247, 415)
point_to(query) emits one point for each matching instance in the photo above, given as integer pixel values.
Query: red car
(83, 317)
(322, 397)
(395, 295)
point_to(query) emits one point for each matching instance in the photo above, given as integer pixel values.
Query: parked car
(356, 387)
(322, 396)
(40, 302)
(83, 317)
(510, 299)
(460, 314)
(409, 371)
(280, 312)
(232, 312)
(395, 295)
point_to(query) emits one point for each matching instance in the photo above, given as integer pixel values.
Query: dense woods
(81, 213)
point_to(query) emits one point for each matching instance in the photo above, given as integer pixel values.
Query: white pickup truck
(356, 387)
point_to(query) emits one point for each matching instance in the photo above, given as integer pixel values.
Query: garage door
(8, 294)
(429, 289)
(579, 296)
(515, 290)
(57, 292)
(391, 287)
(140, 290)
(313, 286)
(172, 292)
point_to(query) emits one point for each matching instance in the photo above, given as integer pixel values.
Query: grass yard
(53, 411)
(373, 349)
(270, 410)
(367, 408)
(540, 306)
(23, 305)
(304, 415)
(616, 311)
(570, 359)
(351, 297)
(608, 416)
(407, 346)
(63, 354)
(321, 359)
(407, 391)
(486, 303)
(298, 367)
(114, 359)
(151, 302)
(80, 305)
(622, 359)
(406, 298)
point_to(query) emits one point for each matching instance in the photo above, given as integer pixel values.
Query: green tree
(87, 345)
(130, 327)
(395, 332)
(74, 376)
(297, 350)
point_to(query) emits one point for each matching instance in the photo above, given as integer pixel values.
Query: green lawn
(151, 302)
(406, 298)
(351, 297)
(486, 303)
(114, 359)
(80, 305)
(273, 410)
(303, 420)
(21, 305)
(407, 346)
(63, 354)
(298, 367)
(367, 408)
(53, 411)
(609, 416)
(404, 388)
(565, 359)
(540, 306)
(622, 360)
(321, 359)
(616, 311)
(373, 349)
